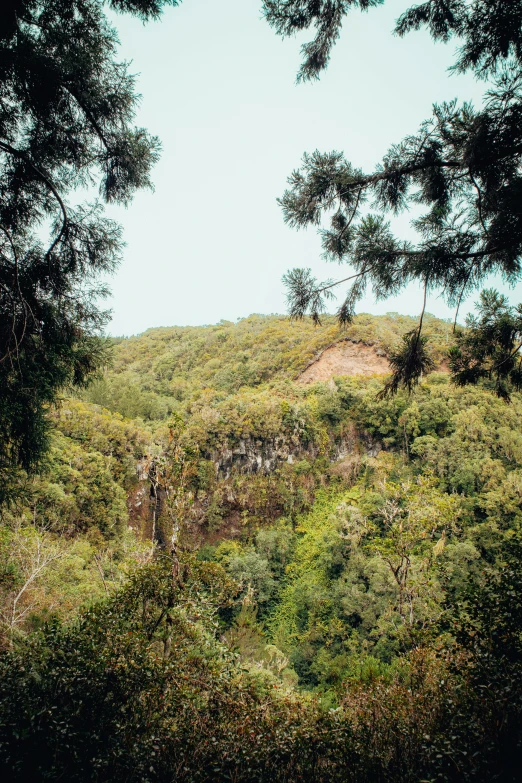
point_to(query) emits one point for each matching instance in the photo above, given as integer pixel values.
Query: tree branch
(89, 116)
(19, 154)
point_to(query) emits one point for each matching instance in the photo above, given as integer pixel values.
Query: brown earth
(345, 358)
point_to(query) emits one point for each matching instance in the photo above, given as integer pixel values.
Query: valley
(245, 487)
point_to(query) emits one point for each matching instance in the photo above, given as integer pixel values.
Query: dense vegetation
(219, 573)
(351, 613)
(67, 109)
(152, 372)
(67, 540)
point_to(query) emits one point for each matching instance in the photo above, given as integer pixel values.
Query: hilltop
(155, 371)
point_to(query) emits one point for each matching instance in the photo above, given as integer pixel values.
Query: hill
(238, 569)
(154, 371)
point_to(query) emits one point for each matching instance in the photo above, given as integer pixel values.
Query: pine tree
(490, 348)
(66, 122)
(462, 166)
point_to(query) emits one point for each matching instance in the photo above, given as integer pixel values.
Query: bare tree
(31, 553)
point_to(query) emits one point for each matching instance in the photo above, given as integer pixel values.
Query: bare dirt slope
(345, 358)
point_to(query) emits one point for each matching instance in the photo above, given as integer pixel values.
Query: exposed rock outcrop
(252, 456)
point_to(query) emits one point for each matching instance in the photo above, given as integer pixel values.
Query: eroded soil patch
(345, 358)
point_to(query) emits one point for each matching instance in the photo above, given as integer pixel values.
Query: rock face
(138, 504)
(249, 457)
(257, 456)
(346, 358)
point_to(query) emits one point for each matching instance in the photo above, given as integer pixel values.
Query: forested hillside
(153, 372)
(224, 573)
(270, 551)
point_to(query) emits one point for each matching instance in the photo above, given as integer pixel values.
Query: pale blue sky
(219, 89)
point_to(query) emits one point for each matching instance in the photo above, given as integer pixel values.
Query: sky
(218, 88)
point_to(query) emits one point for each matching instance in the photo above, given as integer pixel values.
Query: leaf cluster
(67, 109)
(490, 347)
(461, 167)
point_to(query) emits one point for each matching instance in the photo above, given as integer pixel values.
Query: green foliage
(490, 347)
(452, 712)
(98, 430)
(367, 570)
(336, 642)
(288, 17)
(139, 686)
(462, 167)
(153, 373)
(258, 451)
(376, 551)
(137, 689)
(409, 363)
(68, 543)
(66, 122)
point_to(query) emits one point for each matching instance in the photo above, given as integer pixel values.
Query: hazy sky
(219, 89)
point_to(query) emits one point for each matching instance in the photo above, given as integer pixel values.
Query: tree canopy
(66, 126)
(462, 167)
(343, 601)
